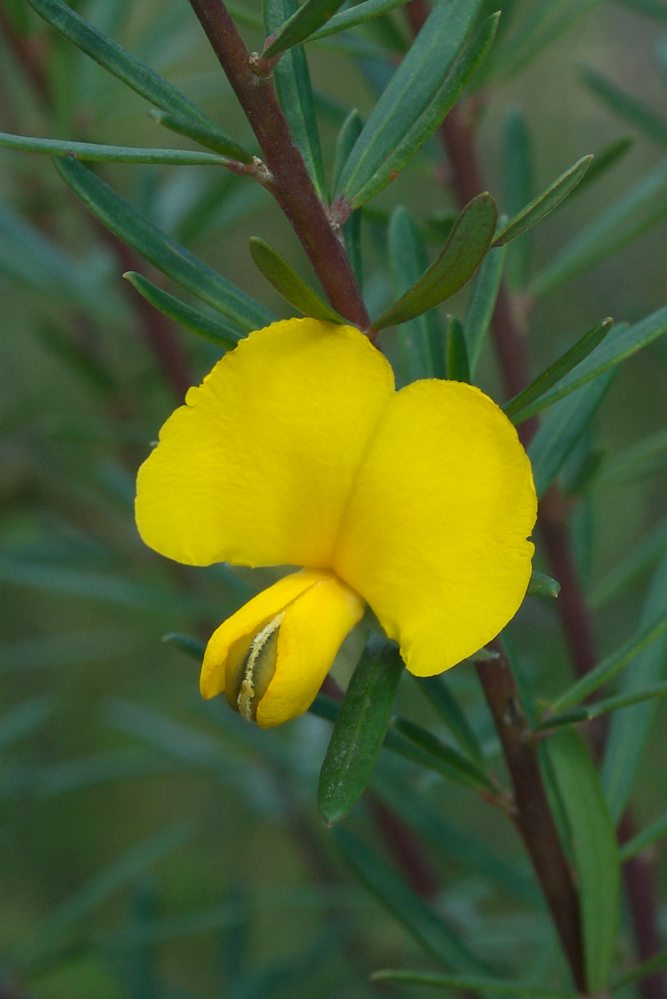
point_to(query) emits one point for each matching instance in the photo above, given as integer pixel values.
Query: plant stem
(292, 186)
(533, 814)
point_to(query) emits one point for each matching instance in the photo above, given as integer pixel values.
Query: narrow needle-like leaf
(468, 242)
(359, 731)
(359, 14)
(527, 403)
(288, 283)
(308, 18)
(168, 256)
(613, 664)
(183, 314)
(469, 984)
(132, 71)
(99, 153)
(544, 203)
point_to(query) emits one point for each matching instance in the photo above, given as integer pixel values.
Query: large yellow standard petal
(271, 657)
(256, 467)
(434, 536)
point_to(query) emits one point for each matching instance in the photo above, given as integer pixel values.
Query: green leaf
(217, 141)
(607, 669)
(543, 25)
(349, 133)
(426, 85)
(541, 585)
(604, 160)
(442, 758)
(73, 914)
(544, 203)
(481, 304)
(643, 970)
(288, 283)
(456, 263)
(528, 402)
(466, 983)
(436, 690)
(636, 112)
(625, 571)
(192, 647)
(421, 922)
(168, 256)
(562, 428)
(626, 219)
(644, 458)
(652, 8)
(647, 837)
(292, 81)
(606, 706)
(594, 849)
(458, 366)
(97, 586)
(629, 732)
(621, 342)
(359, 14)
(310, 16)
(30, 257)
(407, 260)
(187, 317)
(23, 721)
(98, 153)
(453, 841)
(519, 190)
(359, 731)
(141, 78)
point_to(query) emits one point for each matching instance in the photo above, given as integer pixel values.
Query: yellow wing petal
(256, 468)
(434, 536)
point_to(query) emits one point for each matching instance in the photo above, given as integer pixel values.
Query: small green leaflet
(459, 259)
(528, 403)
(544, 203)
(359, 731)
(308, 18)
(288, 283)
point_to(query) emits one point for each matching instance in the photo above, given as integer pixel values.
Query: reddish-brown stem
(292, 186)
(533, 814)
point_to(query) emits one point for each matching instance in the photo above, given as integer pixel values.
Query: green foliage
(402, 114)
(421, 92)
(359, 732)
(454, 266)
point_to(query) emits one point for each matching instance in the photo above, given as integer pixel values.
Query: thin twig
(292, 186)
(533, 814)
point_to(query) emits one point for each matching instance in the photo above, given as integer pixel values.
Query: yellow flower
(296, 450)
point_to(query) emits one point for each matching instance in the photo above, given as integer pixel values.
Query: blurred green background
(152, 845)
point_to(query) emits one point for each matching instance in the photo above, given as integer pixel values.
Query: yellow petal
(272, 656)
(434, 536)
(256, 467)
